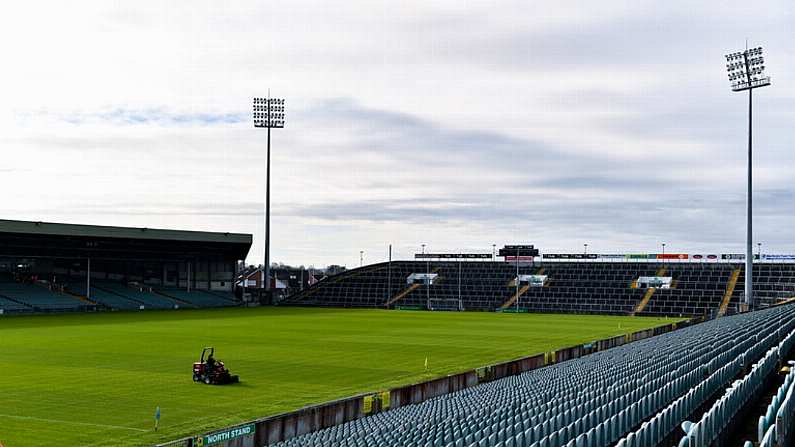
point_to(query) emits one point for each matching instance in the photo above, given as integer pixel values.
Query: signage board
(702, 258)
(672, 256)
(660, 282)
(385, 399)
(778, 257)
(224, 435)
(367, 404)
(533, 280)
(519, 258)
(452, 256)
(521, 250)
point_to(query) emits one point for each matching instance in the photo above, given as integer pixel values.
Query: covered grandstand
(53, 267)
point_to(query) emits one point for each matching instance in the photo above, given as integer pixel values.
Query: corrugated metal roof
(101, 231)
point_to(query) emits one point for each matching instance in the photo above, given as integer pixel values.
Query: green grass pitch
(96, 379)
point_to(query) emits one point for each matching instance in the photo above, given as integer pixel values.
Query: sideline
(58, 421)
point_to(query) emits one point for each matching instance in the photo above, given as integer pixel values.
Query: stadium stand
(634, 395)
(35, 296)
(697, 289)
(713, 421)
(772, 283)
(45, 267)
(589, 288)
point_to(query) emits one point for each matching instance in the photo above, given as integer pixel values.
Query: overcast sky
(457, 124)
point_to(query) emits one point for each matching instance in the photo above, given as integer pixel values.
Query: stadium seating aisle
(591, 401)
(702, 433)
(698, 291)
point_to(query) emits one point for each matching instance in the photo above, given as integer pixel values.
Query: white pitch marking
(58, 421)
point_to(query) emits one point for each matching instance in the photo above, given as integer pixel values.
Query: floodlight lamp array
(746, 69)
(269, 112)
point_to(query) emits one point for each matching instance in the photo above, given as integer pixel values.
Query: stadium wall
(317, 417)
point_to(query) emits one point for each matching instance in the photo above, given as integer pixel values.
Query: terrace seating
(698, 290)
(197, 297)
(9, 306)
(36, 297)
(104, 297)
(147, 299)
(633, 395)
(772, 283)
(572, 287)
(229, 296)
(16, 297)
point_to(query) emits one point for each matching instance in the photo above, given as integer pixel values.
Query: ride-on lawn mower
(211, 371)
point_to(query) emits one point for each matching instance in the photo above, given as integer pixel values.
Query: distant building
(284, 279)
(335, 269)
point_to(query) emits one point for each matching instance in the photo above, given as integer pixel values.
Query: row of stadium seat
(582, 287)
(776, 426)
(715, 419)
(37, 297)
(198, 297)
(104, 297)
(16, 297)
(596, 400)
(772, 283)
(9, 306)
(139, 295)
(720, 414)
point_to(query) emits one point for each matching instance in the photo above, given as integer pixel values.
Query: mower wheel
(208, 380)
(196, 378)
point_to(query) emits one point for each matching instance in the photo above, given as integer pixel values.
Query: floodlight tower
(268, 114)
(747, 72)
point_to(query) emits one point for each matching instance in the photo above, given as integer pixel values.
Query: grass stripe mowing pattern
(96, 379)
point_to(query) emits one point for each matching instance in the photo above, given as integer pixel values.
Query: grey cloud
(418, 142)
(710, 217)
(656, 38)
(163, 209)
(150, 116)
